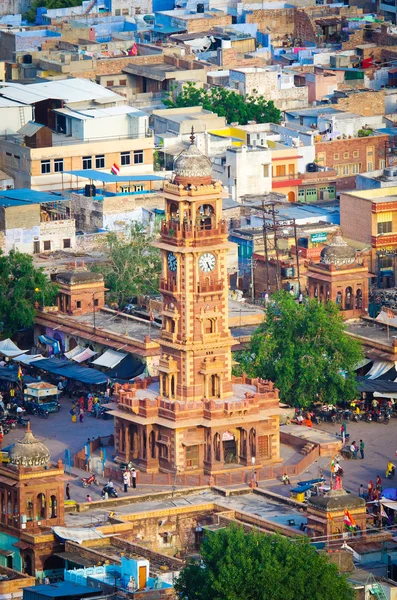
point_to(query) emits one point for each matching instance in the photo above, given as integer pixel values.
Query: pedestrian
(89, 499)
(379, 483)
(81, 402)
(361, 491)
(133, 478)
(362, 446)
(68, 491)
(354, 450)
(81, 415)
(300, 298)
(343, 432)
(126, 479)
(370, 489)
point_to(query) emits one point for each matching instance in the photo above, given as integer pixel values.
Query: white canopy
(76, 350)
(84, 355)
(26, 359)
(109, 359)
(388, 317)
(9, 349)
(379, 368)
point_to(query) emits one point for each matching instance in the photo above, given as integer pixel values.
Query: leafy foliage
(133, 266)
(30, 14)
(227, 103)
(21, 285)
(253, 566)
(304, 349)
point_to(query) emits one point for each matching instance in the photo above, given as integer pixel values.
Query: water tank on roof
(200, 7)
(27, 59)
(90, 190)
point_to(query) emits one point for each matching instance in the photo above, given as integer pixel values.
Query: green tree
(133, 264)
(30, 14)
(227, 103)
(254, 566)
(21, 286)
(304, 349)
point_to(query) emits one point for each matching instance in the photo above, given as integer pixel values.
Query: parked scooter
(89, 480)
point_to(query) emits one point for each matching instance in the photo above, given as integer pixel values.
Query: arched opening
(243, 443)
(214, 386)
(72, 344)
(208, 445)
(27, 564)
(205, 217)
(174, 212)
(338, 299)
(217, 447)
(359, 299)
(53, 506)
(208, 326)
(172, 386)
(348, 298)
(54, 566)
(10, 561)
(321, 293)
(152, 444)
(252, 442)
(291, 196)
(144, 443)
(41, 506)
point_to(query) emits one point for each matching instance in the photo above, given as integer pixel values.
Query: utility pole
(297, 258)
(275, 225)
(264, 230)
(253, 264)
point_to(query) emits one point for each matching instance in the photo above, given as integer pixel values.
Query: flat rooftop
(375, 196)
(374, 332)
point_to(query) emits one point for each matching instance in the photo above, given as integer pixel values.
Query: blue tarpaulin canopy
(49, 341)
(61, 366)
(11, 374)
(110, 178)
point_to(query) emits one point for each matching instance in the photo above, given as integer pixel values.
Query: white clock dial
(207, 262)
(172, 262)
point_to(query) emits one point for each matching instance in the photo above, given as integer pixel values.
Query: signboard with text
(318, 237)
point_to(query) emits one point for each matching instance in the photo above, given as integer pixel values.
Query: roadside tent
(9, 349)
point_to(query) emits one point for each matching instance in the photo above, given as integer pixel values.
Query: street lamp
(37, 290)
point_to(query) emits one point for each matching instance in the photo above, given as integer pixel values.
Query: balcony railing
(168, 285)
(211, 286)
(177, 230)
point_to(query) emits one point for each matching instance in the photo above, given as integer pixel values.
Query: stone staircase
(307, 448)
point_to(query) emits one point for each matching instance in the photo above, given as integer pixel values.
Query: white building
(244, 170)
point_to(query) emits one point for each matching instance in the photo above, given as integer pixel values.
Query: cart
(41, 399)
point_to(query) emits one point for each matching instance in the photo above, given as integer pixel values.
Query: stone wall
(365, 104)
(280, 21)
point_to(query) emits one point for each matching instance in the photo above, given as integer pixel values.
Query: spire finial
(192, 136)
(28, 427)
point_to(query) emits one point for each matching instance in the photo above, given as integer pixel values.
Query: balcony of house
(197, 233)
(289, 179)
(169, 285)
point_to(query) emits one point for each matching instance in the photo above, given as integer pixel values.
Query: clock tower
(196, 417)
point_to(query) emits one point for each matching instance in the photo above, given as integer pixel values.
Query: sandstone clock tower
(196, 417)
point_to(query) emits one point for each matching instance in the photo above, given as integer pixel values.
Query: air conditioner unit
(388, 173)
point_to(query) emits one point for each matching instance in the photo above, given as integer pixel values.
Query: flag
(330, 517)
(20, 374)
(115, 169)
(348, 520)
(133, 51)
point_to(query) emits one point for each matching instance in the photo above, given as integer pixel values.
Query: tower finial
(192, 136)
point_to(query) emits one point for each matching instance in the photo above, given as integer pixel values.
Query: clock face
(207, 262)
(172, 262)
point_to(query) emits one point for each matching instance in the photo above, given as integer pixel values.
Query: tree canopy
(30, 14)
(21, 287)
(305, 350)
(133, 264)
(227, 103)
(253, 566)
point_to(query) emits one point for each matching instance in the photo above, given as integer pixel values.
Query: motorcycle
(368, 417)
(110, 491)
(390, 474)
(89, 480)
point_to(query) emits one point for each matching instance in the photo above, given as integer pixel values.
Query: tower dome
(338, 252)
(191, 167)
(29, 452)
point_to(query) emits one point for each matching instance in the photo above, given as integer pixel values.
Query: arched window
(252, 441)
(41, 506)
(174, 212)
(172, 386)
(348, 298)
(338, 299)
(208, 326)
(321, 293)
(53, 505)
(359, 299)
(243, 442)
(152, 443)
(205, 217)
(217, 447)
(214, 382)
